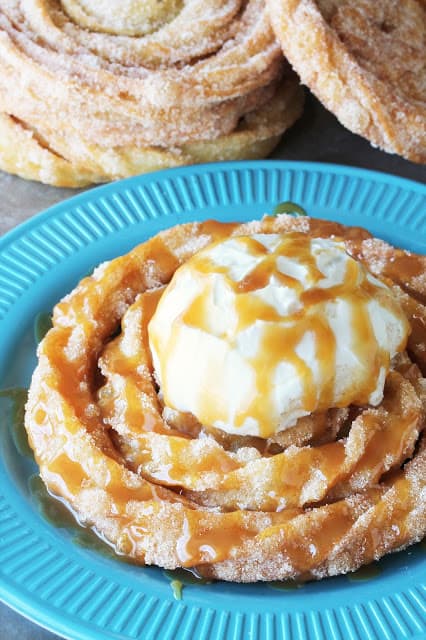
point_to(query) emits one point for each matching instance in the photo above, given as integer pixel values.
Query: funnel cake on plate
(90, 93)
(341, 487)
(365, 61)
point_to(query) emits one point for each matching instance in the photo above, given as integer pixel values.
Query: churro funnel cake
(247, 400)
(365, 61)
(93, 91)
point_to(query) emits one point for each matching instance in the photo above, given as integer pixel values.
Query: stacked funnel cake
(340, 483)
(91, 92)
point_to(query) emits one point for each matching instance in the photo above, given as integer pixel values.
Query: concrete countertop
(317, 136)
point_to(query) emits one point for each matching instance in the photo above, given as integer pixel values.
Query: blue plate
(80, 593)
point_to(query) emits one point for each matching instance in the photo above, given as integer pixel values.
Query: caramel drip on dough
(129, 357)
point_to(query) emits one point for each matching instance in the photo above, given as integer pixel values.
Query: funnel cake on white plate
(91, 92)
(338, 485)
(365, 60)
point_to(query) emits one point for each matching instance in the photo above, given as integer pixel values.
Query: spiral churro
(341, 487)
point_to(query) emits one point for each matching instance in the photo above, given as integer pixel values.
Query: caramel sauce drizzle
(142, 409)
(408, 270)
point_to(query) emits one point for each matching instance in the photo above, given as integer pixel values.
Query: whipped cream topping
(254, 332)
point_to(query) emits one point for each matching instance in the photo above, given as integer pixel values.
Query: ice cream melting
(254, 332)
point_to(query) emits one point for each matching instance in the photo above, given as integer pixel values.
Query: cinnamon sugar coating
(365, 61)
(89, 93)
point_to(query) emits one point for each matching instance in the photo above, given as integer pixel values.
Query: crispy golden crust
(335, 493)
(365, 61)
(89, 100)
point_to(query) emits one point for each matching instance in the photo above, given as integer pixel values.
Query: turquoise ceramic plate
(79, 592)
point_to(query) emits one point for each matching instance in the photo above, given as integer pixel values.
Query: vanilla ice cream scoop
(254, 332)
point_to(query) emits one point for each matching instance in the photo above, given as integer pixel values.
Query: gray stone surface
(316, 137)
(20, 199)
(15, 627)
